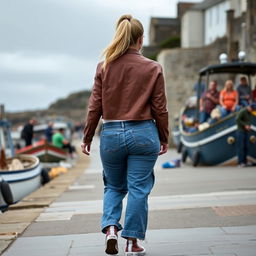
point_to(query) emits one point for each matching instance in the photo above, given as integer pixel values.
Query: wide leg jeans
(128, 150)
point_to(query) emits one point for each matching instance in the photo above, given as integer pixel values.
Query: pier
(192, 211)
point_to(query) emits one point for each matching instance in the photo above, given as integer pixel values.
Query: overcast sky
(50, 48)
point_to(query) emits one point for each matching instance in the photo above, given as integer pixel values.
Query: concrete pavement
(193, 211)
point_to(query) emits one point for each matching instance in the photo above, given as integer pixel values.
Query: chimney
(231, 44)
(251, 23)
(1, 112)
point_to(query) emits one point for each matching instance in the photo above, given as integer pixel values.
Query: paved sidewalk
(224, 241)
(193, 212)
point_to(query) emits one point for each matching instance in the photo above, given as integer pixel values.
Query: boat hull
(217, 145)
(46, 152)
(22, 182)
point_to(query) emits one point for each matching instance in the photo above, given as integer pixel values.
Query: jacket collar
(132, 51)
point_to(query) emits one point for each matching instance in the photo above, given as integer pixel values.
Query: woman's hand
(163, 148)
(86, 147)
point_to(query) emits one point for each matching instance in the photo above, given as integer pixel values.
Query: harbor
(193, 211)
(128, 128)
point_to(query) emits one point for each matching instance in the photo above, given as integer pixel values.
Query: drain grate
(238, 210)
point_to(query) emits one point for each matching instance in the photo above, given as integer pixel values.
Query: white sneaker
(111, 241)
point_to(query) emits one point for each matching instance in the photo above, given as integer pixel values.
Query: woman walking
(129, 95)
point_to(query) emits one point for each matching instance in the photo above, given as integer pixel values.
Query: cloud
(49, 48)
(48, 64)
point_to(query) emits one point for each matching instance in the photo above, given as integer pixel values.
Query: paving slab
(19, 216)
(165, 242)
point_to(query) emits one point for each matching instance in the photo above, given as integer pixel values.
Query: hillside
(72, 107)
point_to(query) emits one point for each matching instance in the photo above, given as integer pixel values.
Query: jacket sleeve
(159, 108)
(94, 111)
(240, 118)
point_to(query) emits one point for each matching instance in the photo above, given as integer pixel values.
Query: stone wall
(181, 68)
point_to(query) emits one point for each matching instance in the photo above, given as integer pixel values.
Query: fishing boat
(19, 175)
(215, 143)
(46, 152)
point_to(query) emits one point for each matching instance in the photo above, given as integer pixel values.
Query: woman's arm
(160, 112)
(221, 100)
(236, 101)
(94, 110)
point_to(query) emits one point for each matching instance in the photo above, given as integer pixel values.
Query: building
(204, 22)
(163, 30)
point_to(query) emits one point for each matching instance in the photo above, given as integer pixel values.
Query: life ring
(45, 178)
(6, 192)
(179, 148)
(184, 154)
(196, 158)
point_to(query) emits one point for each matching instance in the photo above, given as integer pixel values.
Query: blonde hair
(228, 82)
(128, 30)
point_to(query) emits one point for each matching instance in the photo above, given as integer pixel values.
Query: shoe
(111, 241)
(133, 249)
(242, 165)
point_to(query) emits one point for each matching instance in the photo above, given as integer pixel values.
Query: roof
(164, 21)
(247, 68)
(206, 4)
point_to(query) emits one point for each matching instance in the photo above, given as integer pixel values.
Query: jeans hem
(103, 227)
(133, 234)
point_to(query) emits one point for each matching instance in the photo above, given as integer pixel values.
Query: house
(206, 21)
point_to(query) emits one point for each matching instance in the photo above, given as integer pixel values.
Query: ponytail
(128, 30)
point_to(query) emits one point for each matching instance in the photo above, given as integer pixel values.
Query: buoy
(45, 176)
(184, 155)
(231, 140)
(196, 158)
(252, 139)
(6, 192)
(179, 148)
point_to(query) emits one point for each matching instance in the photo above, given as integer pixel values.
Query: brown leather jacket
(131, 88)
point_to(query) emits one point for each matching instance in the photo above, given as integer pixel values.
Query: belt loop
(122, 124)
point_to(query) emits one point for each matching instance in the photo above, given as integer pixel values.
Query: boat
(19, 175)
(176, 135)
(215, 143)
(46, 152)
(22, 181)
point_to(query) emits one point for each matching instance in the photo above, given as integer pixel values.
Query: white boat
(19, 179)
(23, 181)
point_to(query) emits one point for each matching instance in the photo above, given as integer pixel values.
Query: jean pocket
(144, 137)
(109, 141)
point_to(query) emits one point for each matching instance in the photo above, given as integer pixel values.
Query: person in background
(49, 132)
(208, 101)
(228, 99)
(244, 92)
(243, 121)
(27, 132)
(254, 94)
(59, 141)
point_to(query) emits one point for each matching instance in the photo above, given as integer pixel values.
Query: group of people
(57, 138)
(227, 100)
(243, 99)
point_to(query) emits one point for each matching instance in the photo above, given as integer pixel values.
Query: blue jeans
(203, 117)
(243, 103)
(242, 146)
(128, 152)
(225, 112)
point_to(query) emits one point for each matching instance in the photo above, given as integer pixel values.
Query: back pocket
(143, 137)
(109, 141)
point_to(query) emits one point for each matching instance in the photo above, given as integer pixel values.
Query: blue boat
(216, 144)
